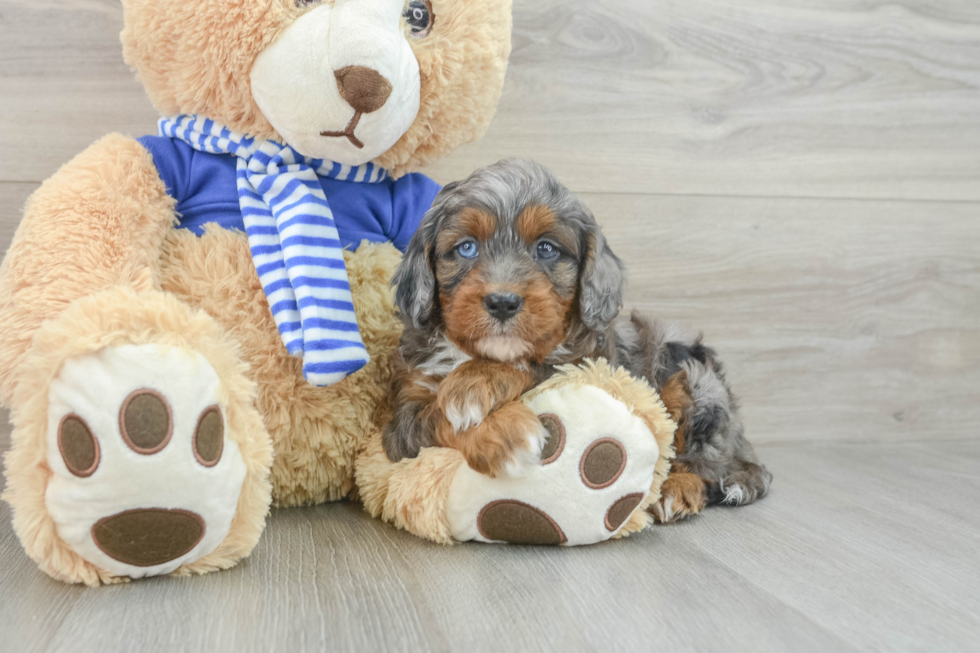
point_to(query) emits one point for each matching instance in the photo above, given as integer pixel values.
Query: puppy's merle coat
(508, 276)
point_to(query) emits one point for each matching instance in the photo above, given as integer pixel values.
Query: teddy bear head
(397, 82)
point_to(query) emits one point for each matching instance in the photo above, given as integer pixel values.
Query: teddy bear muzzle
(362, 46)
(366, 91)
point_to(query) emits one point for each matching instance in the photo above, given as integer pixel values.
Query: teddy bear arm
(99, 222)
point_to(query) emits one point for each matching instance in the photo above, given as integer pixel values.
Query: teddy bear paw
(145, 476)
(596, 467)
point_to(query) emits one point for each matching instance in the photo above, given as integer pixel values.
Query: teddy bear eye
(419, 17)
(307, 3)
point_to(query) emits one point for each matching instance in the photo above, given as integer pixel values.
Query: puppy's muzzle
(503, 306)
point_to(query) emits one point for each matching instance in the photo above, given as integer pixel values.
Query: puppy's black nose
(503, 306)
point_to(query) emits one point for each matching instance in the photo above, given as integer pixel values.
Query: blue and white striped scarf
(294, 241)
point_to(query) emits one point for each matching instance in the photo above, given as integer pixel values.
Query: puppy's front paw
(526, 458)
(464, 407)
(475, 389)
(509, 441)
(682, 495)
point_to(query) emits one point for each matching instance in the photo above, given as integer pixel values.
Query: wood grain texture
(815, 566)
(714, 140)
(843, 98)
(838, 320)
(836, 98)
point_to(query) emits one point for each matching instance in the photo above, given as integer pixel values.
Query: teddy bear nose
(363, 88)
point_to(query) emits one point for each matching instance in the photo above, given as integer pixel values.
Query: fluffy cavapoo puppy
(508, 276)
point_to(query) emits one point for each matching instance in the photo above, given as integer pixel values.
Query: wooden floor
(861, 547)
(800, 179)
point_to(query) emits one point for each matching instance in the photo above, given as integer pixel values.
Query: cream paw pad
(145, 478)
(608, 451)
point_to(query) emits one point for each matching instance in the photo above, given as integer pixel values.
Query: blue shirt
(206, 190)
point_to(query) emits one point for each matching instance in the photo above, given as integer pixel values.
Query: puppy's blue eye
(467, 249)
(546, 250)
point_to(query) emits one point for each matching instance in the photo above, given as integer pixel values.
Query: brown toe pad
(209, 437)
(556, 438)
(145, 421)
(602, 463)
(620, 511)
(79, 448)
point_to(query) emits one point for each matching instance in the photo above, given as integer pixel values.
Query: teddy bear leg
(411, 494)
(137, 449)
(97, 223)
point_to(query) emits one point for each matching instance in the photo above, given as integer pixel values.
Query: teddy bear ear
(195, 56)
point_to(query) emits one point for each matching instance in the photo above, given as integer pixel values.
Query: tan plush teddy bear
(195, 323)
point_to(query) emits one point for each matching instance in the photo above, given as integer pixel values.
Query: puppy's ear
(602, 282)
(415, 278)
(448, 188)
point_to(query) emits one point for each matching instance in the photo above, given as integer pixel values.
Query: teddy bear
(199, 323)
